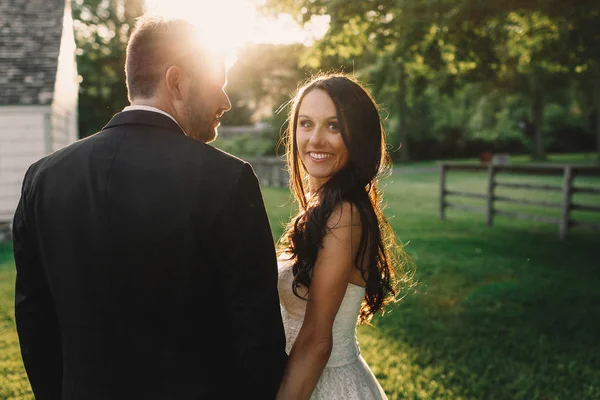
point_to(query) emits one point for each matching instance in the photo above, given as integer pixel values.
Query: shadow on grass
(513, 316)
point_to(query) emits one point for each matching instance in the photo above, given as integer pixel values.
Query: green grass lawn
(502, 312)
(13, 381)
(507, 312)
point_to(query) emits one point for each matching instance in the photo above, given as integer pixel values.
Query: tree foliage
(102, 29)
(446, 72)
(529, 48)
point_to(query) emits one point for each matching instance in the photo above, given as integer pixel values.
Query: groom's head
(168, 68)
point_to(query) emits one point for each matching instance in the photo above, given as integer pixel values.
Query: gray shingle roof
(30, 33)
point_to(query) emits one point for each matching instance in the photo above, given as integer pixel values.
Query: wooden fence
(271, 171)
(568, 172)
(5, 231)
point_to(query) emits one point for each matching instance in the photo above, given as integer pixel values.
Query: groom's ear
(173, 77)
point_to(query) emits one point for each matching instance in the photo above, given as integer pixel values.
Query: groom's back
(125, 222)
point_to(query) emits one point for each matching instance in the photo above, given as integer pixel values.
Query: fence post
(489, 214)
(443, 191)
(269, 168)
(263, 173)
(283, 175)
(566, 202)
(277, 174)
(280, 177)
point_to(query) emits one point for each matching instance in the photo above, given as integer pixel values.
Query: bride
(339, 261)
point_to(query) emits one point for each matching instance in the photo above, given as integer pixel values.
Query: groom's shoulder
(208, 154)
(57, 157)
(212, 151)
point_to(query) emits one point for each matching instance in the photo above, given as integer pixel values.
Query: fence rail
(271, 171)
(566, 205)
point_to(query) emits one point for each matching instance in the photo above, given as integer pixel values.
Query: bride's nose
(317, 136)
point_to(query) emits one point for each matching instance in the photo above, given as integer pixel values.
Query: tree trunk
(598, 123)
(402, 113)
(597, 107)
(537, 114)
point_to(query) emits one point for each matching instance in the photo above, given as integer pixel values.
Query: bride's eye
(334, 126)
(305, 123)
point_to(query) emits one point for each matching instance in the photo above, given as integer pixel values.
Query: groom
(145, 262)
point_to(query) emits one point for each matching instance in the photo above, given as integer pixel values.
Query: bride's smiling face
(319, 139)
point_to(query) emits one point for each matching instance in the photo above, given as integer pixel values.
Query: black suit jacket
(146, 270)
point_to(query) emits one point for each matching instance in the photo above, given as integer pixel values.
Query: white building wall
(28, 133)
(22, 142)
(63, 120)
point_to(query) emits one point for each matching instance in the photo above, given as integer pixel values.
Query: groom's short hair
(154, 43)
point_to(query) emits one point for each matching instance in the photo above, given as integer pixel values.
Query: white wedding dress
(346, 375)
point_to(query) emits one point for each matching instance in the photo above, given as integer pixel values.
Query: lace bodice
(345, 346)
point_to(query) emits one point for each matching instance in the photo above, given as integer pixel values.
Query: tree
(583, 24)
(102, 30)
(264, 77)
(391, 42)
(526, 46)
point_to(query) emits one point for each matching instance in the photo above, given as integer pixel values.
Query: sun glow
(226, 25)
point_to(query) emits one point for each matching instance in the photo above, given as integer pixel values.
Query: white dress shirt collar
(152, 109)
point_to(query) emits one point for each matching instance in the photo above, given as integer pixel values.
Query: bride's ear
(174, 82)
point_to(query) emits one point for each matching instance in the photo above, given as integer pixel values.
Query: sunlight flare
(222, 25)
(227, 25)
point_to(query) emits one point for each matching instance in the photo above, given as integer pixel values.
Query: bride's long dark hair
(379, 257)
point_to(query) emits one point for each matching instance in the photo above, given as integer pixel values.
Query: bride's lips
(318, 156)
